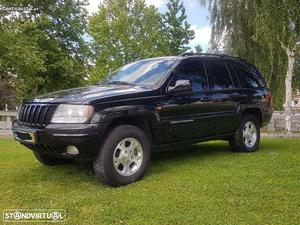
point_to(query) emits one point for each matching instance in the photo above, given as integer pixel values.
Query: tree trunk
(288, 89)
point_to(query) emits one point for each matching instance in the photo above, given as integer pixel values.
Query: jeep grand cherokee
(144, 106)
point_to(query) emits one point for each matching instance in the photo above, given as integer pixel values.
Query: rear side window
(250, 75)
(193, 71)
(219, 75)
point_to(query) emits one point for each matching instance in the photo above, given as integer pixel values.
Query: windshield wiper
(120, 82)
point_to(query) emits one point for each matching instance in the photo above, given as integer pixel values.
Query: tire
(49, 160)
(124, 156)
(244, 141)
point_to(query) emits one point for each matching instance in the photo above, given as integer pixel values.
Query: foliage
(296, 78)
(195, 185)
(177, 28)
(278, 22)
(198, 49)
(257, 30)
(43, 50)
(124, 31)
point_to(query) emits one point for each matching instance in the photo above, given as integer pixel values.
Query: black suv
(148, 105)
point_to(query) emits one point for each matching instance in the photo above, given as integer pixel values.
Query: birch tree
(280, 22)
(263, 27)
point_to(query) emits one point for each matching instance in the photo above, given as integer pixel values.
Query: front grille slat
(32, 112)
(44, 117)
(36, 114)
(21, 111)
(24, 113)
(27, 114)
(40, 119)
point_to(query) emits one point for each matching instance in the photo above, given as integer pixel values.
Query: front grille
(36, 115)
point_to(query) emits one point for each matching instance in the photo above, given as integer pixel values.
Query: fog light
(72, 150)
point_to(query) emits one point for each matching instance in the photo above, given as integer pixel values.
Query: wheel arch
(138, 121)
(255, 111)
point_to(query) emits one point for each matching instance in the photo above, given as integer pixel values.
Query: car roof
(199, 55)
(162, 58)
(213, 55)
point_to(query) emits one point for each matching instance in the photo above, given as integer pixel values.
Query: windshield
(144, 73)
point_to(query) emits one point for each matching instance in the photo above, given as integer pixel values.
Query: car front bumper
(54, 139)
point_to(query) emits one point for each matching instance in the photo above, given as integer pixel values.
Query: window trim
(242, 86)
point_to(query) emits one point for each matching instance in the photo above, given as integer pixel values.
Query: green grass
(204, 184)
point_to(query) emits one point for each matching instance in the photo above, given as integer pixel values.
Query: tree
(43, 49)
(198, 49)
(177, 28)
(124, 31)
(296, 77)
(284, 31)
(6, 95)
(265, 31)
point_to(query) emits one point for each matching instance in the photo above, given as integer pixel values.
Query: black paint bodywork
(167, 118)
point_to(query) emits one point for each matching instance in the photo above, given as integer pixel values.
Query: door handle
(206, 99)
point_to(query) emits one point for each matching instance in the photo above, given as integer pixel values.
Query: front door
(187, 115)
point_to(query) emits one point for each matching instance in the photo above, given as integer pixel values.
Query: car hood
(84, 94)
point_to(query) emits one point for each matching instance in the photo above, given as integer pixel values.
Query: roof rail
(212, 54)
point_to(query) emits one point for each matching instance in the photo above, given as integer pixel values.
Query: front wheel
(247, 136)
(124, 156)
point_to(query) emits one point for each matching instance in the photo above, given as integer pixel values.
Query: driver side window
(194, 72)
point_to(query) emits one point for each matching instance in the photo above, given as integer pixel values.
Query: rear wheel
(247, 136)
(49, 160)
(124, 156)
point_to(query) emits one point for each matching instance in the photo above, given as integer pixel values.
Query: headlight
(72, 113)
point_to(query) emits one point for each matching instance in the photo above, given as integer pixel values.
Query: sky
(197, 16)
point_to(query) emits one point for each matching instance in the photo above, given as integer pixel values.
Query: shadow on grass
(190, 151)
(82, 171)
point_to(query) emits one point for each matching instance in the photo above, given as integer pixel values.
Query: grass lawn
(204, 184)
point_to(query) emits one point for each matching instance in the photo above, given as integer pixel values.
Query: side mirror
(180, 86)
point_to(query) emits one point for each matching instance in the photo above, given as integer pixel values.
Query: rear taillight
(269, 98)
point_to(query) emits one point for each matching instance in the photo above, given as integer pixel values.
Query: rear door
(228, 95)
(253, 82)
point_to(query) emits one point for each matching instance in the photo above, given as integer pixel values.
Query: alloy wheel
(128, 156)
(249, 134)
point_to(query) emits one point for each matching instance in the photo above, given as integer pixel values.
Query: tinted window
(144, 72)
(257, 76)
(250, 75)
(236, 81)
(193, 71)
(219, 75)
